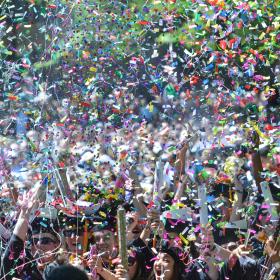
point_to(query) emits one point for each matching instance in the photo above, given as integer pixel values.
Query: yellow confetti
(151, 107)
(102, 214)
(92, 69)
(63, 119)
(262, 36)
(185, 241)
(255, 126)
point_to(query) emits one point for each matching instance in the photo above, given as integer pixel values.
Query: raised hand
(30, 200)
(207, 241)
(242, 250)
(95, 264)
(153, 219)
(121, 273)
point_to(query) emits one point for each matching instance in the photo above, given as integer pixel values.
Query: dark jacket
(18, 262)
(244, 269)
(196, 271)
(146, 251)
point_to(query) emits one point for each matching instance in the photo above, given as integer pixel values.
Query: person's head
(168, 265)
(77, 233)
(44, 240)
(133, 223)
(44, 244)
(74, 241)
(164, 267)
(105, 242)
(136, 264)
(67, 272)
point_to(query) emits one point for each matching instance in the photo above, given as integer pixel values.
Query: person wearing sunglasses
(136, 264)
(44, 240)
(29, 262)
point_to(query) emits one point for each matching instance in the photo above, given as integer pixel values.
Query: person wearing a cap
(83, 232)
(104, 240)
(104, 255)
(77, 235)
(168, 264)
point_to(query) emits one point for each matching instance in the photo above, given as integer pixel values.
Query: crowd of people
(167, 111)
(192, 212)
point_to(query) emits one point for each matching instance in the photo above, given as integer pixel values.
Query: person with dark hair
(105, 243)
(19, 262)
(134, 228)
(65, 272)
(168, 265)
(136, 264)
(76, 234)
(103, 251)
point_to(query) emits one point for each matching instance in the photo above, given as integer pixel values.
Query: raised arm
(256, 159)
(15, 248)
(237, 204)
(180, 179)
(28, 202)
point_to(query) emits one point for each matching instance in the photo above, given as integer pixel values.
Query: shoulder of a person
(196, 271)
(138, 242)
(247, 261)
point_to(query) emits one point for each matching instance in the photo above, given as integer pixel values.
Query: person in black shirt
(18, 261)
